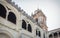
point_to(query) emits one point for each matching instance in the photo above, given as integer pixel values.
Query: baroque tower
(40, 19)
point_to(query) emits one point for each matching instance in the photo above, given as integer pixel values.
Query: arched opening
(50, 36)
(29, 28)
(38, 33)
(2, 35)
(59, 34)
(12, 17)
(23, 24)
(2, 11)
(55, 35)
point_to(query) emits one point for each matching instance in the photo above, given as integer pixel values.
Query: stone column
(53, 35)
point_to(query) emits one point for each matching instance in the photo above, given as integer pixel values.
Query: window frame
(38, 33)
(29, 28)
(10, 17)
(24, 24)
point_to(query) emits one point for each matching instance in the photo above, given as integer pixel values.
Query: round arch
(5, 34)
(50, 36)
(12, 17)
(29, 28)
(24, 24)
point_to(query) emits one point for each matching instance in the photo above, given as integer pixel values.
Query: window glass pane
(39, 34)
(29, 28)
(2, 11)
(59, 33)
(12, 17)
(23, 24)
(50, 36)
(55, 34)
(36, 32)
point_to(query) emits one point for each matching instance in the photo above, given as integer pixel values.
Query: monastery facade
(15, 23)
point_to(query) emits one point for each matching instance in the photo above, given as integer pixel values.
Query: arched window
(50, 36)
(29, 28)
(2, 11)
(59, 34)
(12, 17)
(55, 35)
(23, 24)
(38, 33)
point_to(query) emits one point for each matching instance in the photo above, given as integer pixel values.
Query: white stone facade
(14, 29)
(12, 20)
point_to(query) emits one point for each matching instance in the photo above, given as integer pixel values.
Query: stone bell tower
(40, 19)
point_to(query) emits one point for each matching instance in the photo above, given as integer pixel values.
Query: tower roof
(38, 11)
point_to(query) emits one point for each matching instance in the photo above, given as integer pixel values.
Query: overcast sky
(51, 8)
